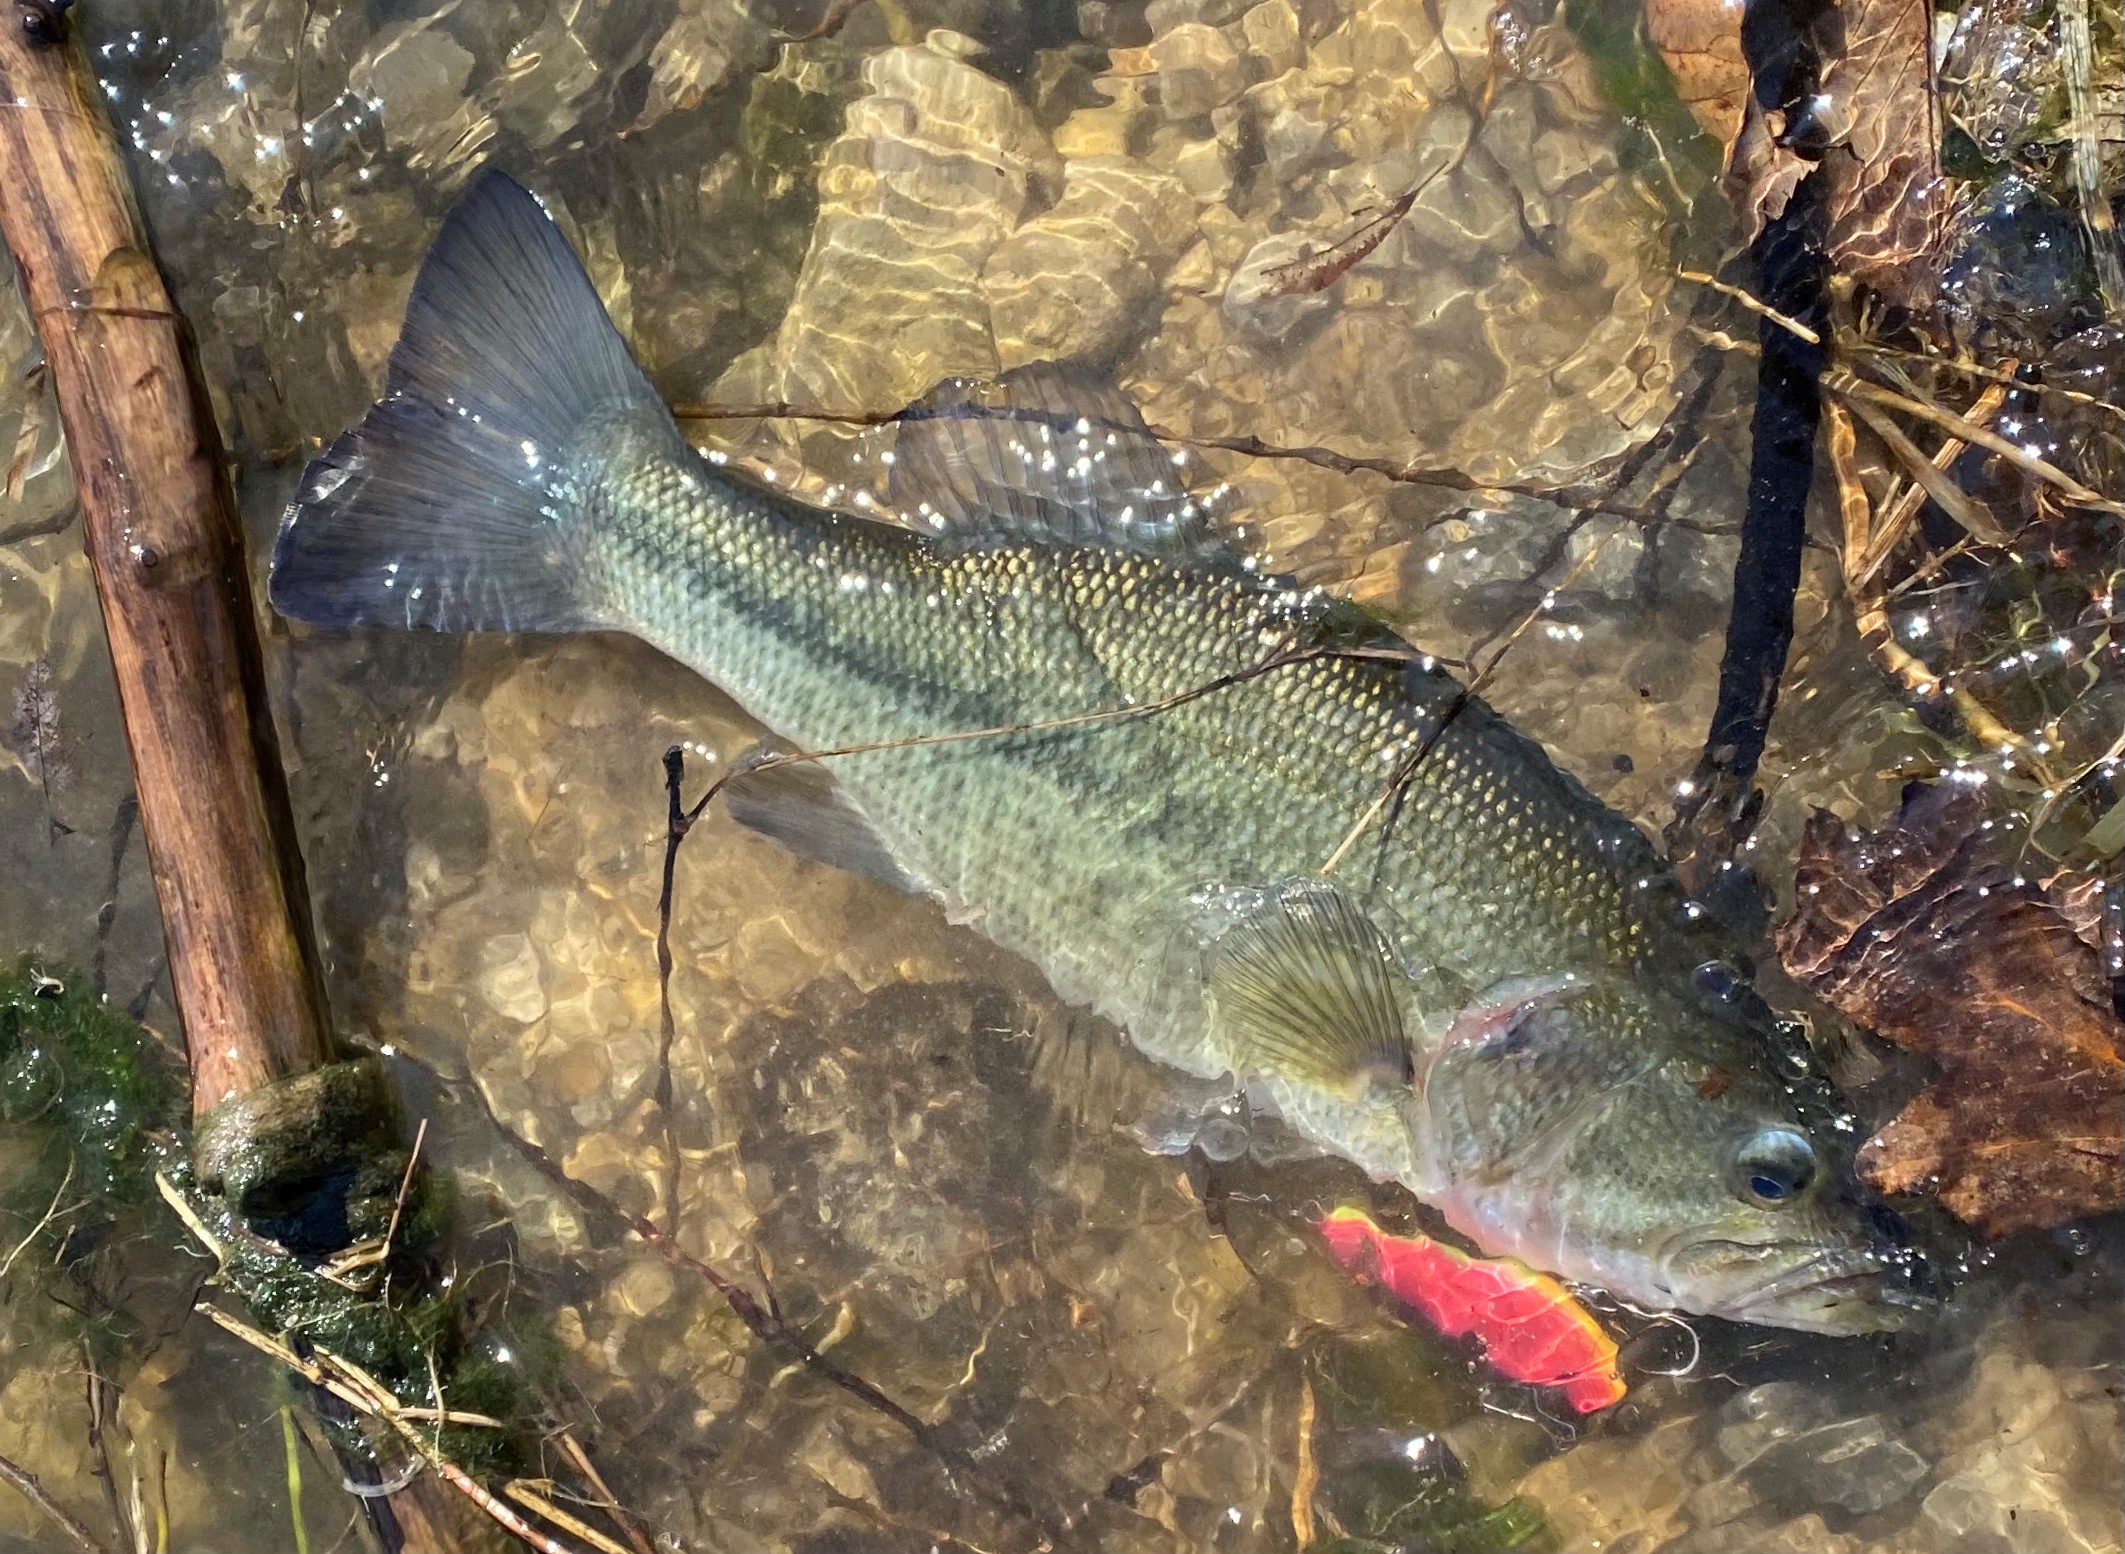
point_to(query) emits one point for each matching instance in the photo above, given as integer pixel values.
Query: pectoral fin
(1302, 984)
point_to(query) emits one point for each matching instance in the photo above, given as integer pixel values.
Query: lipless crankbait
(1530, 1327)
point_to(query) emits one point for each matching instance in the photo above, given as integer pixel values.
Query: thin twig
(677, 823)
(36, 1230)
(34, 1492)
(521, 1491)
(1407, 770)
(354, 1386)
(1401, 471)
(466, 1485)
(376, 1252)
(1760, 308)
(760, 1314)
(99, 1398)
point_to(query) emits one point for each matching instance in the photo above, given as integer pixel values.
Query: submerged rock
(934, 167)
(1080, 280)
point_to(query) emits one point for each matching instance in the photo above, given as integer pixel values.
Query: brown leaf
(1917, 933)
(1314, 272)
(1878, 111)
(1701, 42)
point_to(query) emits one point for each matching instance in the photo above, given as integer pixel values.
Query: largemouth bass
(1506, 1004)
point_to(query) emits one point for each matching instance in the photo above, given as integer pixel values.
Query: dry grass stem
(192, 1221)
(575, 1453)
(1903, 512)
(51, 1212)
(1306, 1477)
(1951, 498)
(527, 1495)
(1971, 369)
(1958, 426)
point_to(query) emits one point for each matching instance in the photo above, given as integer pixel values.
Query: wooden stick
(162, 537)
(159, 522)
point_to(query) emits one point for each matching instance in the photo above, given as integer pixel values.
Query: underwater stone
(2017, 278)
(511, 978)
(1165, 15)
(1077, 281)
(707, 45)
(1198, 70)
(1294, 144)
(1272, 33)
(1857, 1466)
(1203, 167)
(933, 169)
(1115, 126)
(419, 76)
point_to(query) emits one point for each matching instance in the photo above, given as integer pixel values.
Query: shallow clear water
(868, 1112)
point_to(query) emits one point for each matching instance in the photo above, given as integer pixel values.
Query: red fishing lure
(1531, 1329)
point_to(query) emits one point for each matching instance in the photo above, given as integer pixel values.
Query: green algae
(73, 1067)
(93, 1111)
(1389, 1507)
(1662, 142)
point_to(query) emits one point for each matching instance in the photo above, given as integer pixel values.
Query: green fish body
(1498, 997)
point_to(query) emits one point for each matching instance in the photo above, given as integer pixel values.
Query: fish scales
(835, 631)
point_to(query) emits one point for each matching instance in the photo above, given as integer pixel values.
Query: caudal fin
(451, 508)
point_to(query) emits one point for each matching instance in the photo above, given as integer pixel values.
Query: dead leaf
(1916, 933)
(1877, 114)
(1701, 42)
(1314, 272)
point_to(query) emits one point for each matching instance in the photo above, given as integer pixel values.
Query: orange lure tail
(1530, 1327)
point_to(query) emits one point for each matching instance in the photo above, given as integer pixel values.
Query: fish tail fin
(453, 506)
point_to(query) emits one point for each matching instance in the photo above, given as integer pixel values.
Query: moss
(74, 1072)
(1392, 1505)
(71, 1063)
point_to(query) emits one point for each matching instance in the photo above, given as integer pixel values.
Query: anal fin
(799, 805)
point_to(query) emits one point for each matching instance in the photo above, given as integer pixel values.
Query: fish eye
(1774, 1167)
(1717, 979)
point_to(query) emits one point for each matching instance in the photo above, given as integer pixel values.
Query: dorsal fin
(1051, 453)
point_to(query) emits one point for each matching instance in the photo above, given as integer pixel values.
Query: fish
(1509, 1006)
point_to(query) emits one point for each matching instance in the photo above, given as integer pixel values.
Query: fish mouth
(1838, 1291)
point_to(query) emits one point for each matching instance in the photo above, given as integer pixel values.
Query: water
(869, 1111)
